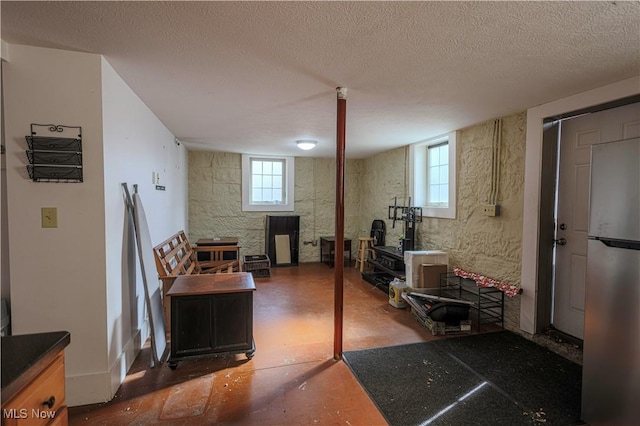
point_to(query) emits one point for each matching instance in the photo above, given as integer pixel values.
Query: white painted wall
(78, 277)
(58, 275)
(5, 290)
(136, 144)
(533, 172)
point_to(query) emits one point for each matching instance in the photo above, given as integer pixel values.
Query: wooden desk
(217, 249)
(211, 314)
(219, 241)
(327, 247)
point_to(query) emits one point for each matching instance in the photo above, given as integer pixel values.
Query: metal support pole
(339, 233)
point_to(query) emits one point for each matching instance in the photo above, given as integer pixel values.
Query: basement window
(267, 183)
(432, 167)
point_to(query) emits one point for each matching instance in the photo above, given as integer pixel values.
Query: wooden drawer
(31, 405)
(62, 418)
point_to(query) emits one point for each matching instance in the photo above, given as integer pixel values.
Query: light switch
(49, 217)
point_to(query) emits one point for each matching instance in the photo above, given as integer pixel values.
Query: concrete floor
(293, 378)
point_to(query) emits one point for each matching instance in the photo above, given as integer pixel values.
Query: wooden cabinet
(211, 315)
(328, 247)
(282, 240)
(34, 392)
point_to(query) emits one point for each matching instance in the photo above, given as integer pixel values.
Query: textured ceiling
(255, 76)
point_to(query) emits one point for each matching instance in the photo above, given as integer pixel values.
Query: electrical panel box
(491, 210)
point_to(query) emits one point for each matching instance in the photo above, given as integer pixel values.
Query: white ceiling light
(306, 144)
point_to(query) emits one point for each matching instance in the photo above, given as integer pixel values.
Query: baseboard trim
(87, 389)
(101, 387)
(118, 371)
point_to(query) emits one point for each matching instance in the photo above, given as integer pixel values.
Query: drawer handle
(50, 402)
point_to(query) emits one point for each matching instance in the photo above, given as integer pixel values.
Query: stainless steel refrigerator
(611, 369)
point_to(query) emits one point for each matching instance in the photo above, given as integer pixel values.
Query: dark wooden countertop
(23, 357)
(219, 241)
(190, 285)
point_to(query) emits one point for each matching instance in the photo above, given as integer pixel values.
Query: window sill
(439, 212)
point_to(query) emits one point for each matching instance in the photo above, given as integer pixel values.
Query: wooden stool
(365, 251)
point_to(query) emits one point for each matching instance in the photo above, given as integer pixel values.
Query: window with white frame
(267, 183)
(438, 174)
(433, 176)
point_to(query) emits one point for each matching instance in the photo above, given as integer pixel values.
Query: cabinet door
(62, 417)
(233, 322)
(27, 408)
(211, 323)
(191, 326)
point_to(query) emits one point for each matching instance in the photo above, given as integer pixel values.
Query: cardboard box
(413, 260)
(430, 275)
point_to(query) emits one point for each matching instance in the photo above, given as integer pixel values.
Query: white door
(576, 137)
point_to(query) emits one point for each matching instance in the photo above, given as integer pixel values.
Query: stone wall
(215, 207)
(385, 179)
(486, 245)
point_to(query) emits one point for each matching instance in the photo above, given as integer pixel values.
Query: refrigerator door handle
(623, 244)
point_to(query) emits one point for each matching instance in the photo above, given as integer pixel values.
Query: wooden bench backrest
(175, 256)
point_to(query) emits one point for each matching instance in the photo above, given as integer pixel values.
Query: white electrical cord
(499, 143)
(496, 143)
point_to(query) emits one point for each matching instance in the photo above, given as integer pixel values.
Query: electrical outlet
(49, 217)
(491, 210)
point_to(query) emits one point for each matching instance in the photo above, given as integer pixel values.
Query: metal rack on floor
(488, 302)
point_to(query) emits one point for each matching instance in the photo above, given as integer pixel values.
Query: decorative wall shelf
(55, 158)
(52, 157)
(54, 173)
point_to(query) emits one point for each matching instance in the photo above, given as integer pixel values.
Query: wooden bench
(175, 256)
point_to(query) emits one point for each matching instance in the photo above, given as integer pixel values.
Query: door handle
(560, 242)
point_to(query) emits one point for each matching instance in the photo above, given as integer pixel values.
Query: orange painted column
(339, 228)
